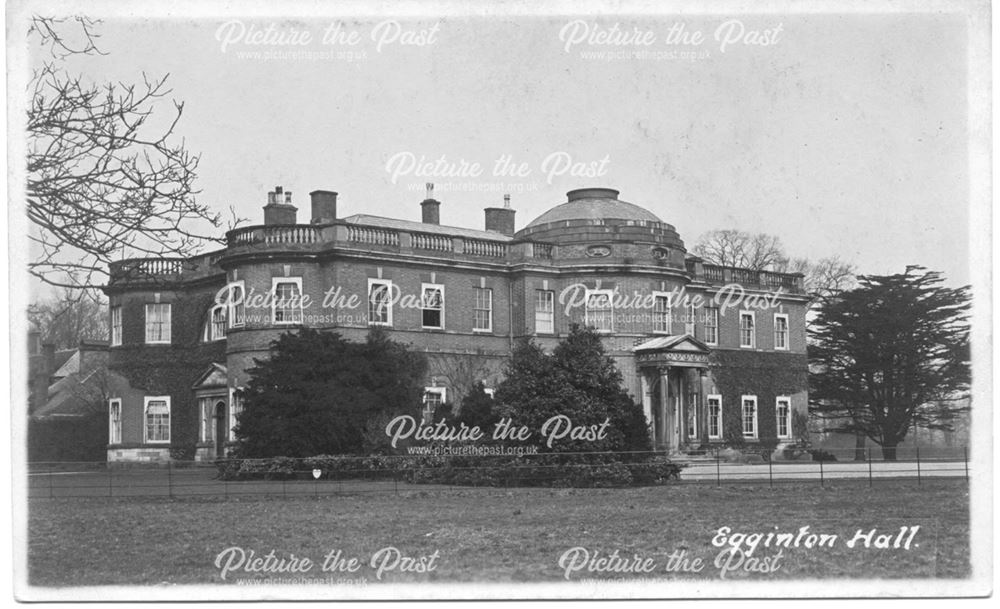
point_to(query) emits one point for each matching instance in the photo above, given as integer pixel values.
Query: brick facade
(592, 242)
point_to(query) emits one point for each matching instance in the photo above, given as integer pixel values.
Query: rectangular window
(218, 322)
(115, 421)
(692, 421)
(661, 313)
(379, 302)
(235, 410)
(545, 306)
(781, 331)
(236, 306)
(715, 416)
(286, 308)
(116, 325)
(600, 311)
(783, 411)
(689, 323)
(483, 312)
(749, 416)
(157, 419)
(432, 306)
(748, 334)
(433, 397)
(158, 323)
(712, 326)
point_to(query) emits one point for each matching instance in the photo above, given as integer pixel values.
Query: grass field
(516, 535)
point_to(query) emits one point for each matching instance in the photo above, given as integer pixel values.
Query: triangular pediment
(680, 342)
(215, 376)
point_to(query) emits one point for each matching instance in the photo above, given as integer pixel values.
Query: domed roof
(594, 204)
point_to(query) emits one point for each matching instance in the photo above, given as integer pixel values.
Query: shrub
(822, 455)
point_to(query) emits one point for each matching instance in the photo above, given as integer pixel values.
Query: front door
(221, 429)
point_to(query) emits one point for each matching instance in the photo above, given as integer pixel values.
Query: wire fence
(408, 473)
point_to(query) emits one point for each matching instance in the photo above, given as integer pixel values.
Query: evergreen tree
(320, 394)
(479, 409)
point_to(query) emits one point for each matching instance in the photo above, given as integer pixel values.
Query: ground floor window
(115, 421)
(157, 419)
(715, 416)
(433, 398)
(749, 416)
(783, 411)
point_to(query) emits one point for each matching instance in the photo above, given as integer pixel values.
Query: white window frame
(145, 418)
(423, 291)
(709, 311)
(488, 309)
(441, 391)
(168, 323)
(549, 299)
(708, 404)
(116, 325)
(211, 334)
(786, 401)
(490, 392)
(236, 310)
(275, 282)
(787, 332)
(610, 311)
(743, 416)
(753, 329)
(114, 426)
(690, 325)
(668, 313)
(233, 412)
(388, 285)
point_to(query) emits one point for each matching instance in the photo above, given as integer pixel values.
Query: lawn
(518, 535)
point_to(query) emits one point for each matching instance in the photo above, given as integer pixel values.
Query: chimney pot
(324, 206)
(501, 219)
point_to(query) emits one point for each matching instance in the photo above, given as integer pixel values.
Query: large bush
(320, 394)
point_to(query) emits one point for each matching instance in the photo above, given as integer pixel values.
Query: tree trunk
(859, 447)
(889, 452)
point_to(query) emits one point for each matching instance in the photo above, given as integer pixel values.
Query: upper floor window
(115, 421)
(781, 331)
(158, 323)
(749, 416)
(432, 306)
(216, 323)
(116, 325)
(236, 307)
(714, 416)
(600, 310)
(689, 322)
(157, 419)
(286, 308)
(661, 313)
(379, 302)
(483, 312)
(783, 413)
(711, 326)
(545, 306)
(748, 333)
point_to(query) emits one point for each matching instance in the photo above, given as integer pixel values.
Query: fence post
(869, 467)
(821, 472)
(718, 470)
(965, 455)
(770, 474)
(170, 478)
(918, 466)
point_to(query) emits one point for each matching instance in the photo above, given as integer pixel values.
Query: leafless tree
(106, 174)
(728, 247)
(72, 316)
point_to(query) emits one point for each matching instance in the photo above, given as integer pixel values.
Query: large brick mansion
(714, 354)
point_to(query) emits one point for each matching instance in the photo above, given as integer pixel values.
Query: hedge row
(605, 470)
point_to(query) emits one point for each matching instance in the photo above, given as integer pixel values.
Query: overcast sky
(846, 135)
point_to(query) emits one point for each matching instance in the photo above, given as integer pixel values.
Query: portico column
(647, 403)
(703, 404)
(665, 435)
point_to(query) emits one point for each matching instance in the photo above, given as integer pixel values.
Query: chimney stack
(324, 206)
(431, 208)
(279, 208)
(501, 219)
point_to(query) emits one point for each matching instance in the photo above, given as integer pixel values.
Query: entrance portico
(672, 374)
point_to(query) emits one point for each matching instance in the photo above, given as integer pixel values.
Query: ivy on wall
(170, 369)
(765, 375)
